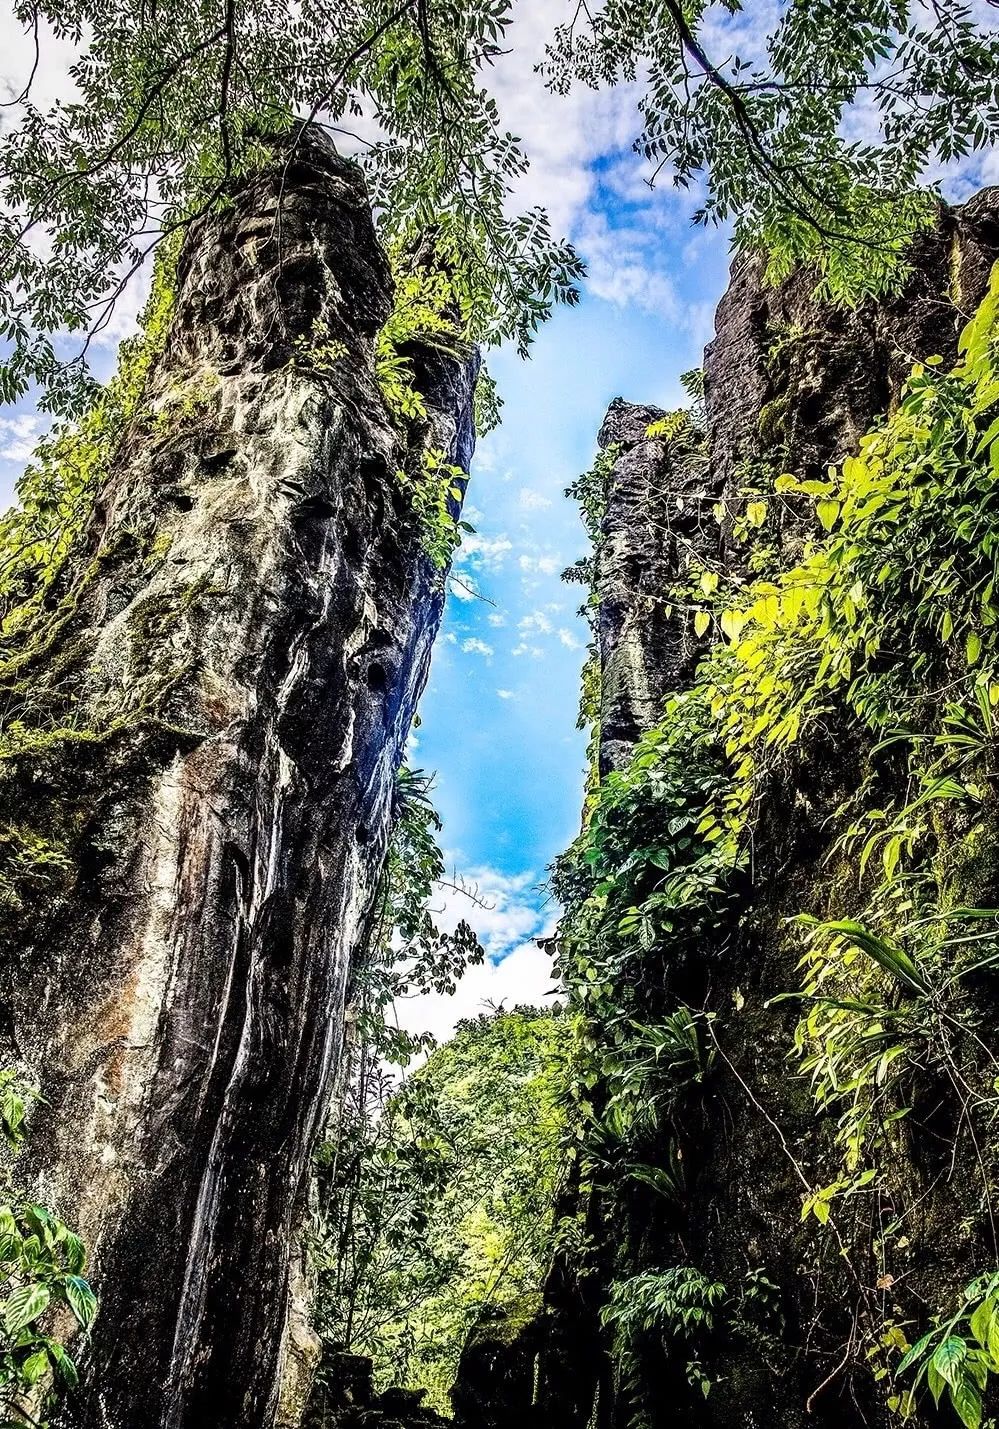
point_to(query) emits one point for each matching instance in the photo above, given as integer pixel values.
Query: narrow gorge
(761, 1170)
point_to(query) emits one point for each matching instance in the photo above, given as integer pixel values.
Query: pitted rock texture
(655, 521)
(790, 384)
(250, 620)
(792, 380)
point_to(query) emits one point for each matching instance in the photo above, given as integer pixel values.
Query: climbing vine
(41, 1269)
(878, 641)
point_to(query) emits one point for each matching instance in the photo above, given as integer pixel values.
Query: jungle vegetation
(814, 144)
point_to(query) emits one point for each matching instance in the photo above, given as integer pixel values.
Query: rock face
(240, 639)
(654, 520)
(789, 385)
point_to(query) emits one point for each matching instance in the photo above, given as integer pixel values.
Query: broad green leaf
(949, 1357)
(827, 512)
(966, 1398)
(82, 1300)
(982, 1320)
(24, 1305)
(34, 1367)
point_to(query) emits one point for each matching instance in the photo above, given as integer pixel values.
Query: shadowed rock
(245, 627)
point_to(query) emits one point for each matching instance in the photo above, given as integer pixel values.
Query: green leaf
(34, 1367)
(914, 1353)
(63, 1363)
(25, 1305)
(827, 512)
(966, 1398)
(982, 1321)
(702, 621)
(81, 1299)
(949, 1357)
(732, 622)
(935, 1381)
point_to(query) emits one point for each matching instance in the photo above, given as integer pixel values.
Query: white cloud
(506, 694)
(541, 565)
(508, 913)
(532, 500)
(460, 590)
(489, 552)
(569, 640)
(537, 623)
(524, 976)
(496, 618)
(504, 908)
(20, 434)
(474, 646)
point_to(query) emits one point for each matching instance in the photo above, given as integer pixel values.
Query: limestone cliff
(789, 383)
(203, 730)
(717, 1189)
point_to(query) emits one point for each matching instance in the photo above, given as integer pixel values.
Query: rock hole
(317, 508)
(377, 678)
(362, 834)
(217, 461)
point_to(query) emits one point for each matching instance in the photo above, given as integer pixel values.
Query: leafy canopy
(173, 104)
(452, 1201)
(813, 136)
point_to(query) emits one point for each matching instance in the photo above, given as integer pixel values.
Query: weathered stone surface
(251, 599)
(790, 385)
(791, 380)
(654, 522)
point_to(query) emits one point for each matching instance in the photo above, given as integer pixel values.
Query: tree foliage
(451, 1198)
(814, 136)
(172, 104)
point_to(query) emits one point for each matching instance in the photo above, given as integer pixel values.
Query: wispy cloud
(19, 435)
(507, 912)
(532, 500)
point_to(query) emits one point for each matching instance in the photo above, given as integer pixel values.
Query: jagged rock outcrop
(211, 719)
(344, 1397)
(654, 517)
(789, 385)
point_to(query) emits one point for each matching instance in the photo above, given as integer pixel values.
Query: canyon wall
(203, 725)
(706, 1192)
